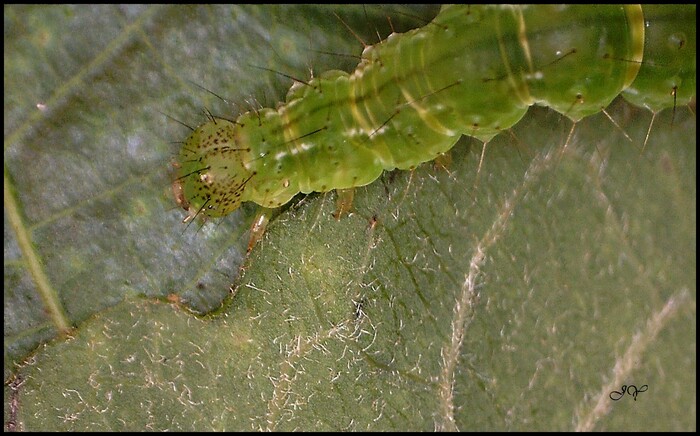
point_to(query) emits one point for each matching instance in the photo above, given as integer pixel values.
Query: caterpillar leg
(344, 202)
(257, 229)
(443, 161)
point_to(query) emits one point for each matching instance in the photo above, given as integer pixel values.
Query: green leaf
(514, 294)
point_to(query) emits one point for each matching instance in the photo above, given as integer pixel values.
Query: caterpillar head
(212, 174)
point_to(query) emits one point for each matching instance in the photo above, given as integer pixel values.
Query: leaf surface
(511, 295)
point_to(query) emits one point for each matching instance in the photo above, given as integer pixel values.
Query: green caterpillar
(474, 70)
